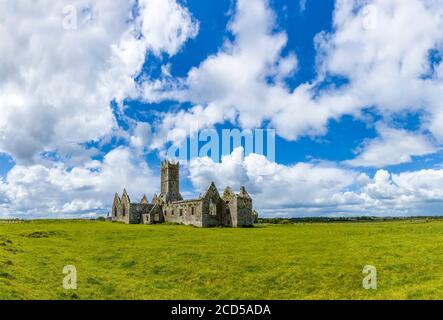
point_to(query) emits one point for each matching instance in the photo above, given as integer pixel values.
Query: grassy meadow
(296, 261)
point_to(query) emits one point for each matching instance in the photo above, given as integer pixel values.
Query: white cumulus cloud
(58, 190)
(382, 56)
(393, 146)
(63, 62)
(322, 188)
(273, 186)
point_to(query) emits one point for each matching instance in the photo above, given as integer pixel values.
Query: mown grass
(302, 261)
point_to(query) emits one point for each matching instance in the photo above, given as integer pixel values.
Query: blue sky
(352, 89)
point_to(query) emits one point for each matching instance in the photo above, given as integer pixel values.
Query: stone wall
(230, 200)
(125, 211)
(245, 215)
(154, 216)
(185, 212)
(214, 213)
(136, 212)
(239, 208)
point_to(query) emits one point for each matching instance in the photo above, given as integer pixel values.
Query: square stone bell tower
(170, 182)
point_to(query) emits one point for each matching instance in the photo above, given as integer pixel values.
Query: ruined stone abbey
(209, 210)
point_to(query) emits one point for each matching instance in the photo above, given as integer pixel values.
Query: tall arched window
(212, 208)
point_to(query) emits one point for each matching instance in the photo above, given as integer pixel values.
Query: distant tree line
(343, 219)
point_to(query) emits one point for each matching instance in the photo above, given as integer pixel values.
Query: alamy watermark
(70, 280)
(216, 144)
(73, 17)
(70, 18)
(370, 279)
(369, 17)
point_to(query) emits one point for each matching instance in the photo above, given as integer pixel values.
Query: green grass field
(301, 261)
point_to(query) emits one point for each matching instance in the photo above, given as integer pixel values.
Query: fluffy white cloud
(322, 188)
(141, 137)
(408, 193)
(392, 147)
(374, 46)
(58, 190)
(63, 62)
(166, 25)
(61, 65)
(235, 81)
(56, 85)
(384, 57)
(273, 185)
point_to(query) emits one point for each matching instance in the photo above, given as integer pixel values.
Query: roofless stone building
(209, 210)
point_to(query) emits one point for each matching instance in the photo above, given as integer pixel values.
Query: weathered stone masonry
(209, 210)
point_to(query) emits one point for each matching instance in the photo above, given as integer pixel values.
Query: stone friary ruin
(209, 210)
